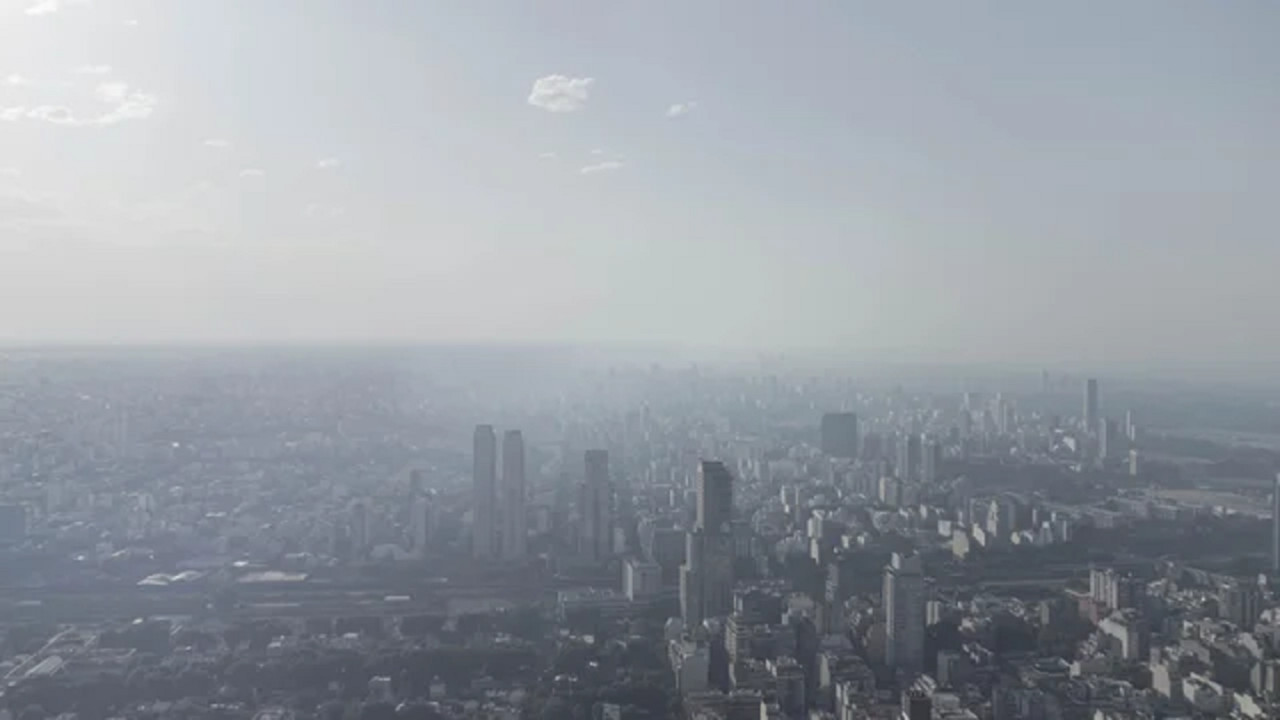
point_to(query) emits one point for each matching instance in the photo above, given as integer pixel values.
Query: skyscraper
(514, 534)
(909, 457)
(420, 524)
(484, 480)
(904, 613)
(1241, 604)
(715, 497)
(1091, 405)
(706, 579)
(1275, 528)
(840, 435)
(359, 528)
(596, 506)
(930, 460)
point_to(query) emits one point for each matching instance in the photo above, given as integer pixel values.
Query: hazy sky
(1071, 180)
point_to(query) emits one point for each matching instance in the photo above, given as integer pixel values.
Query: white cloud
(681, 109)
(558, 93)
(601, 167)
(123, 103)
(10, 172)
(16, 80)
(597, 151)
(128, 104)
(252, 173)
(56, 114)
(219, 143)
(93, 70)
(548, 156)
(131, 22)
(330, 163)
(44, 7)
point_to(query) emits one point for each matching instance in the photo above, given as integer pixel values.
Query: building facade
(706, 579)
(904, 601)
(514, 513)
(484, 480)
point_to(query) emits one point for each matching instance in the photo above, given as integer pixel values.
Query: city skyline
(311, 535)
(639, 361)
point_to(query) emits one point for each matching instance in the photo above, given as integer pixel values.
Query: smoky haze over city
(439, 360)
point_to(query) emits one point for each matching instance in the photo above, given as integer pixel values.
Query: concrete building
(596, 507)
(916, 705)
(1114, 590)
(691, 663)
(789, 686)
(380, 689)
(663, 544)
(1090, 411)
(840, 435)
(358, 528)
(641, 580)
(484, 480)
(930, 460)
(1241, 605)
(1124, 629)
(851, 703)
(514, 532)
(1106, 439)
(706, 579)
(904, 601)
(607, 603)
(1275, 528)
(1001, 519)
(890, 491)
(420, 524)
(908, 467)
(838, 667)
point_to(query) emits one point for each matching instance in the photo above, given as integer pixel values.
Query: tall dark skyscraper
(596, 506)
(1091, 405)
(359, 528)
(1275, 528)
(909, 452)
(706, 579)
(484, 481)
(840, 435)
(715, 497)
(513, 496)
